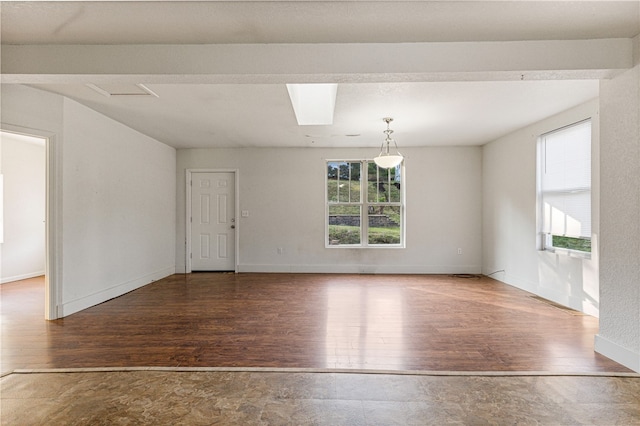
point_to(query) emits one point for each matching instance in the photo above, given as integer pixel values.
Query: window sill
(347, 246)
(568, 252)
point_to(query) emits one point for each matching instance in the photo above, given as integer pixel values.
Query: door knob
(233, 227)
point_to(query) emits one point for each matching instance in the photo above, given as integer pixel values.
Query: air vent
(110, 90)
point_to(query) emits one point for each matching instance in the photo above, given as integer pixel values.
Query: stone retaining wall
(375, 221)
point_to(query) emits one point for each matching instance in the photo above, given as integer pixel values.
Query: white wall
(119, 189)
(509, 218)
(23, 168)
(116, 199)
(283, 189)
(619, 334)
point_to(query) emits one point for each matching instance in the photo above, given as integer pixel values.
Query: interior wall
(284, 192)
(510, 232)
(116, 198)
(619, 334)
(23, 248)
(119, 189)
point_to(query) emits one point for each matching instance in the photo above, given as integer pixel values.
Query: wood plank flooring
(381, 322)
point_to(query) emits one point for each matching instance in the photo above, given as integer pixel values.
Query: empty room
(299, 212)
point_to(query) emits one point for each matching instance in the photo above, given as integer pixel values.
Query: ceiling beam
(315, 63)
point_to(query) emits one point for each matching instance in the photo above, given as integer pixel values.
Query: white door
(213, 221)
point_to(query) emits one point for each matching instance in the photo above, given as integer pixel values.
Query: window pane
(568, 213)
(378, 185)
(582, 244)
(394, 185)
(344, 225)
(384, 225)
(354, 182)
(372, 182)
(568, 158)
(332, 182)
(343, 182)
(383, 185)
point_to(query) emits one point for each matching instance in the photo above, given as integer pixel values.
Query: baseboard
(517, 281)
(573, 302)
(359, 269)
(619, 354)
(85, 302)
(21, 277)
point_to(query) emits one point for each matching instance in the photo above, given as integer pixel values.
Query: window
(564, 180)
(365, 205)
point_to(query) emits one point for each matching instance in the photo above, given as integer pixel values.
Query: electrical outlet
(459, 250)
(280, 250)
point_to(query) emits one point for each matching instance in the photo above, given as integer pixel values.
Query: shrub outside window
(364, 205)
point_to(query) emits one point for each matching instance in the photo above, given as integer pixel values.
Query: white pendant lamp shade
(385, 159)
(388, 161)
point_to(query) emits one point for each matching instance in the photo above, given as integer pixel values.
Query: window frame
(545, 239)
(364, 205)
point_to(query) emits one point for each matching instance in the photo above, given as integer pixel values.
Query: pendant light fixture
(386, 160)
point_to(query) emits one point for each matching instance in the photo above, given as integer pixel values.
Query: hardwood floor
(381, 322)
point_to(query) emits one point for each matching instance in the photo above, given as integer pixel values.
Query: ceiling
(260, 115)
(184, 22)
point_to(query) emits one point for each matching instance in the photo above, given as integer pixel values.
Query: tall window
(564, 163)
(365, 205)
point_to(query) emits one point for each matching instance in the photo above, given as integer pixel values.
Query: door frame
(53, 217)
(189, 173)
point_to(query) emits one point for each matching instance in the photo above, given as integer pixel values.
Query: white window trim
(544, 239)
(364, 222)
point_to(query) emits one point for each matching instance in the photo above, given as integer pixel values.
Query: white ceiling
(185, 22)
(242, 115)
(228, 115)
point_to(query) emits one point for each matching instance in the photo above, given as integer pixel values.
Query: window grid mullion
(349, 166)
(389, 188)
(338, 184)
(364, 210)
(377, 185)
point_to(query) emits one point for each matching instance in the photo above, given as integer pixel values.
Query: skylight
(313, 103)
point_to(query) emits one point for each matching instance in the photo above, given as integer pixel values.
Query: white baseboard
(73, 306)
(21, 277)
(578, 303)
(359, 269)
(619, 354)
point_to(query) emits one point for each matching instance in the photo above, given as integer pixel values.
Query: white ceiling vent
(110, 89)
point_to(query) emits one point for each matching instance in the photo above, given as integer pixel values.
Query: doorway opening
(27, 236)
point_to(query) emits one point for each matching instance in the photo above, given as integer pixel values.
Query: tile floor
(158, 397)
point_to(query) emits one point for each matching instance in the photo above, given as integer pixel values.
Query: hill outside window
(364, 205)
(564, 182)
